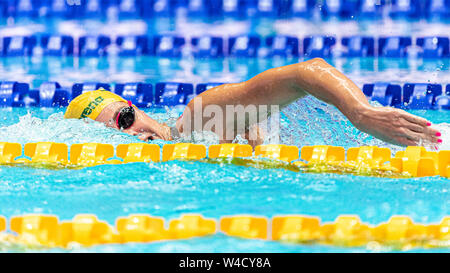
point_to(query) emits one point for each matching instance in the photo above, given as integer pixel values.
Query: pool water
(171, 189)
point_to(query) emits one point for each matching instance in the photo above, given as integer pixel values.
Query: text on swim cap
(88, 110)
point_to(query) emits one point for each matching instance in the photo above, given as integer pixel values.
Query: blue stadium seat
(12, 93)
(93, 8)
(207, 46)
(318, 46)
(50, 94)
(61, 8)
(434, 47)
(233, 8)
(284, 46)
(200, 88)
(80, 88)
(359, 46)
(393, 47)
(266, 8)
(140, 94)
(302, 8)
(405, 8)
(130, 8)
(243, 46)
(438, 8)
(93, 46)
(168, 46)
(443, 102)
(385, 93)
(371, 8)
(18, 45)
(28, 8)
(198, 8)
(341, 8)
(132, 45)
(157, 7)
(420, 95)
(171, 93)
(57, 45)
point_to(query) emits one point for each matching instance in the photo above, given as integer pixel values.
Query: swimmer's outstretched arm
(283, 85)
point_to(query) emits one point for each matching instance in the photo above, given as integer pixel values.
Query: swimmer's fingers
(404, 141)
(421, 137)
(420, 125)
(415, 119)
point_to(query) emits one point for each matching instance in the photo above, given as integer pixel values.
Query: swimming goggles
(126, 117)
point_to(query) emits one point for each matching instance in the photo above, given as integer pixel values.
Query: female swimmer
(278, 86)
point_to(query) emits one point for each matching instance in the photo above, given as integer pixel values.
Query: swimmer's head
(104, 106)
(91, 104)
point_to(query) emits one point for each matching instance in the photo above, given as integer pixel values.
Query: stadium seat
(385, 93)
(172, 93)
(197, 8)
(284, 46)
(200, 88)
(393, 47)
(265, 8)
(130, 8)
(207, 46)
(359, 46)
(370, 8)
(420, 95)
(140, 94)
(13, 93)
(318, 46)
(405, 8)
(434, 47)
(233, 8)
(438, 8)
(443, 102)
(132, 45)
(80, 88)
(18, 45)
(93, 46)
(28, 8)
(50, 94)
(243, 46)
(93, 8)
(157, 7)
(341, 8)
(168, 46)
(302, 8)
(61, 8)
(57, 45)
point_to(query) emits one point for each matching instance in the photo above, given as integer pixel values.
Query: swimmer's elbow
(315, 62)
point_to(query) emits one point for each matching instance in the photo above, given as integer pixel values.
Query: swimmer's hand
(396, 126)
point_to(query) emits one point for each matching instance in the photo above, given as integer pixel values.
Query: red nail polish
(439, 140)
(438, 134)
(428, 123)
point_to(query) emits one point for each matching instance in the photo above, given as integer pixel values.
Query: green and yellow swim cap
(90, 104)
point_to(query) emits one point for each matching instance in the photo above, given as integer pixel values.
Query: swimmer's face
(144, 127)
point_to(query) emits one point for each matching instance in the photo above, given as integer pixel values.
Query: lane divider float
(399, 232)
(367, 160)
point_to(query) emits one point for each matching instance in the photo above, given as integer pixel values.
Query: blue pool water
(174, 188)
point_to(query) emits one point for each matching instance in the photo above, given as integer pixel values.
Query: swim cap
(90, 104)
